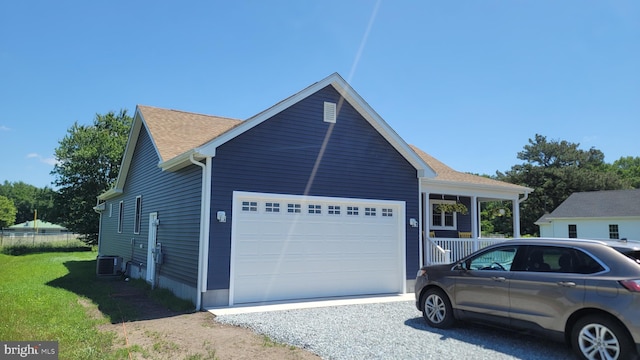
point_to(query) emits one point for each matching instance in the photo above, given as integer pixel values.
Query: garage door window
(369, 211)
(293, 208)
(387, 212)
(315, 209)
(249, 206)
(272, 207)
(333, 210)
(352, 210)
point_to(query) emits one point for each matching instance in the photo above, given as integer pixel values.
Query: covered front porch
(457, 222)
(458, 210)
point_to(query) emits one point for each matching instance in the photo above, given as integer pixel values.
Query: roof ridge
(188, 112)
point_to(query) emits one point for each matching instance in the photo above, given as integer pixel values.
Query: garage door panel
(279, 256)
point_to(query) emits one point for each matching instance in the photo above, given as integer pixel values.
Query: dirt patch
(164, 334)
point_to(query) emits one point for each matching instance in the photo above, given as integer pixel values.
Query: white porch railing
(448, 250)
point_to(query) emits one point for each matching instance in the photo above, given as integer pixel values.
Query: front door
(151, 247)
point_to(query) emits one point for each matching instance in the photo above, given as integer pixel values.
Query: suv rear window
(634, 254)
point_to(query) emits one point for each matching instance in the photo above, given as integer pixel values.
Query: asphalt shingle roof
(175, 132)
(606, 203)
(446, 173)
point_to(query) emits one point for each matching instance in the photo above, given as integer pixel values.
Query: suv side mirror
(462, 266)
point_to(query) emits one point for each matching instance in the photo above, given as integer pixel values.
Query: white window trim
(120, 216)
(433, 226)
(137, 215)
(110, 209)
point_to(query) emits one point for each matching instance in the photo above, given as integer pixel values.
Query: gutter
(203, 247)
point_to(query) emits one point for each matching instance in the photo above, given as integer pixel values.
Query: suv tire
(436, 309)
(600, 337)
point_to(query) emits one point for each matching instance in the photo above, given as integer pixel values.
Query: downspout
(95, 208)
(204, 229)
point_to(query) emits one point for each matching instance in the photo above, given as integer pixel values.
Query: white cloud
(49, 161)
(42, 159)
(4, 128)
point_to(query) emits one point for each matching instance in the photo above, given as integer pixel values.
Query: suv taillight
(631, 285)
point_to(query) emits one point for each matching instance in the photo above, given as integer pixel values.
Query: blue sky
(467, 81)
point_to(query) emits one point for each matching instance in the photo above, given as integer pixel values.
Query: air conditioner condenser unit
(109, 265)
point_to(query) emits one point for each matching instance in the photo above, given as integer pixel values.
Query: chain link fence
(10, 238)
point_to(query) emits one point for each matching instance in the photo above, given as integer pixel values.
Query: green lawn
(55, 296)
(35, 310)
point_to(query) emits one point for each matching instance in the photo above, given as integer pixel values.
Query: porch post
(516, 217)
(475, 223)
(424, 204)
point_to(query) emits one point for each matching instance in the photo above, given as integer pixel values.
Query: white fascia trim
(349, 94)
(134, 135)
(181, 161)
(209, 149)
(382, 127)
(464, 185)
(110, 194)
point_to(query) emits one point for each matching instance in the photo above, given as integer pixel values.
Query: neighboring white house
(609, 214)
(39, 227)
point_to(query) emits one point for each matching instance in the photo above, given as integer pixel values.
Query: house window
(272, 207)
(440, 219)
(334, 209)
(293, 208)
(352, 210)
(138, 215)
(120, 216)
(573, 231)
(369, 211)
(387, 212)
(315, 209)
(249, 206)
(613, 231)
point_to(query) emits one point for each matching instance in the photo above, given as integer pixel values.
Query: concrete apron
(304, 304)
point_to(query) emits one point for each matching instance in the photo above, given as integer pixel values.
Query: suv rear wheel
(436, 309)
(596, 337)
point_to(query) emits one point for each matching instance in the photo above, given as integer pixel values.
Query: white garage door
(293, 247)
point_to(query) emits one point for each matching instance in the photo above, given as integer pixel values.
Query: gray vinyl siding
(279, 156)
(175, 196)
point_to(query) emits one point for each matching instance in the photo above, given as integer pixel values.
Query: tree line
(89, 159)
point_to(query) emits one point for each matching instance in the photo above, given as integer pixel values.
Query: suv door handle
(567, 283)
(498, 278)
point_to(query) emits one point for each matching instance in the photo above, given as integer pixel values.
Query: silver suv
(583, 292)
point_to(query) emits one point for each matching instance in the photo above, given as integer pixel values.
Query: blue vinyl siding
(175, 196)
(463, 222)
(279, 156)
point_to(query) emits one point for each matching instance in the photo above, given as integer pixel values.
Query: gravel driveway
(391, 331)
